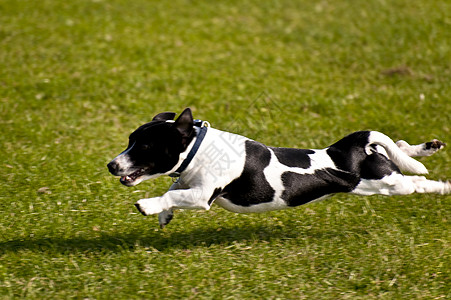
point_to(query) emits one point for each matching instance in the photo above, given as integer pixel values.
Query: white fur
(398, 184)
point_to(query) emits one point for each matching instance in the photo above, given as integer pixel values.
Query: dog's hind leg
(398, 184)
(424, 149)
(423, 185)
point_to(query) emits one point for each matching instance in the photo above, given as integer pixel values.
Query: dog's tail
(400, 158)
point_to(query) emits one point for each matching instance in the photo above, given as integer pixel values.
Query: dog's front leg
(194, 198)
(165, 217)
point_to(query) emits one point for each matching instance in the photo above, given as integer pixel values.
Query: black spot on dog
(348, 153)
(377, 166)
(251, 187)
(298, 158)
(303, 188)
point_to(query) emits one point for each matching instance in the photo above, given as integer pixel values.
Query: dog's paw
(165, 217)
(149, 206)
(434, 145)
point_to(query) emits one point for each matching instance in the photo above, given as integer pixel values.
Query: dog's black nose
(112, 167)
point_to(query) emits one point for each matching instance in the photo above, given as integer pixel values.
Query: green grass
(76, 77)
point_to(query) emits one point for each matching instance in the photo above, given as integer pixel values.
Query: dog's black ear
(184, 125)
(164, 116)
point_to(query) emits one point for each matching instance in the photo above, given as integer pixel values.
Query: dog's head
(154, 148)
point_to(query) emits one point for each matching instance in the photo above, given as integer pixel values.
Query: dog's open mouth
(130, 179)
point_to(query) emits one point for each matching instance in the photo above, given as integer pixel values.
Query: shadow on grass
(160, 240)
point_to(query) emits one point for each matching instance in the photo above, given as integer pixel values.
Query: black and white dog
(243, 175)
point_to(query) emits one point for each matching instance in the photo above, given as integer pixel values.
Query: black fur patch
(376, 166)
(294, 157)
(303, 188)
(348, 154)
(251, 187)
(156, 146)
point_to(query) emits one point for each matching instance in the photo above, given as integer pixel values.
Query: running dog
(244, 176)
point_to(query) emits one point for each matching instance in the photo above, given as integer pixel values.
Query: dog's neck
(202, 127)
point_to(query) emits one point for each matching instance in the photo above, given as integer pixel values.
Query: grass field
(76, 77)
